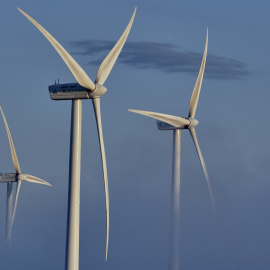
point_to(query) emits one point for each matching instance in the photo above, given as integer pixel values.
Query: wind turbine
(176, 123)
(85, 89)
(10, 178)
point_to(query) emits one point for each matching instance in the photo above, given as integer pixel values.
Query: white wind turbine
(85, 89)
(176, 123)
(10, 178)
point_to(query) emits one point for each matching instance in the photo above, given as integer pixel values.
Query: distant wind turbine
(85, 89)
(176, 123)
(10, 178)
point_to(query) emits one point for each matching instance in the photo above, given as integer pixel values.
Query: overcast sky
(156, 71)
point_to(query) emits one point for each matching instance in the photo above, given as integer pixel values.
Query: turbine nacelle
(8, 177)
(68, 91)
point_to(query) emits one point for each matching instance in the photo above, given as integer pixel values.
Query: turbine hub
(98, 92)
(193, 122)
(21, 177)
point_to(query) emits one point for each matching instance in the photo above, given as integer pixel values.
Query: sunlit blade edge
(175, 121)
(194, 137)
(15, 208)
(96, 105)
(34, 179)
(79, 74)
(196, 91)
(9, 209)
(108, 63)
(12, 148)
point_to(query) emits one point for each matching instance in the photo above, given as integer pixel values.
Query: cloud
(165, 57)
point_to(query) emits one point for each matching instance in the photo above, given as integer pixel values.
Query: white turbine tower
(175, 123)
(85, 89)
(10, 178)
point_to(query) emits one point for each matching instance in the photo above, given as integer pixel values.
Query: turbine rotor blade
(15, 208)
(9, 209)
(194, 137)
(79, 74)
(108, 63)
(196, 91)
(96, 105)
(175, 121)
(34, 179)
(12, 148)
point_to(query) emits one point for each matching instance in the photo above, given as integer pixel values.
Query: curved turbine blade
(34, 179)
(15, 208)
(108, 63)
(12, 148)
(196, 91)
(9, 211)
(73, 66)
(175, 121)
(96, 105)
(194, 137)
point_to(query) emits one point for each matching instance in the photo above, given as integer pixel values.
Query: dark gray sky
(156, 71)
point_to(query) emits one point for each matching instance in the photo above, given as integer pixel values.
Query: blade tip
(135, 111)
(22, 11)
(47, 184)
(106, 255)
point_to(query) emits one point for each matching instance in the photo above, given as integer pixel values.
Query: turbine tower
(10, 178)
(175, 123)
(84, 89)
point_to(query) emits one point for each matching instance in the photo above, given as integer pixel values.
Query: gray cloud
(165, 57)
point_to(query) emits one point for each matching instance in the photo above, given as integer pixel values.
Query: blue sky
(156, 71)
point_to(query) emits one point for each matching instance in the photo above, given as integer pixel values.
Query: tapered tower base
(73, 222)
(175, 207)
